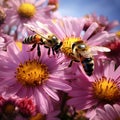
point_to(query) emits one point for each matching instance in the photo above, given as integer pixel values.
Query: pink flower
(26, 106)
(13, 107)
(114, 45)
(24, 75)
(109, 112)
(25, 11)
(101, 88)
(70, 30)
(103, 22)
(8, 107)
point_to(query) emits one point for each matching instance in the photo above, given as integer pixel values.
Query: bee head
(51, 40)
(79, 46)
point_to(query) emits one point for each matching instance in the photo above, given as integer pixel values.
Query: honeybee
(84, 54)
(35, 40)
(49, 40)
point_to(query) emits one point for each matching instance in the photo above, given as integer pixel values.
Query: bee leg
(48, 49)
(33, 46)
(70, 63)
(57, 47)
(38, 50)
(41, 42)
(53, 51)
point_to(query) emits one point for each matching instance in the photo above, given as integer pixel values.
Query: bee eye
(54, 38)
(82, 46)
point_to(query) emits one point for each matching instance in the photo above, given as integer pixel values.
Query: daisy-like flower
(8, 107)
(99, 89)
(23, 74)
(22, 109)
(108, 113)
(26, 107)
(70, 30)
(25, 11)
(103, 22)
(114, 45)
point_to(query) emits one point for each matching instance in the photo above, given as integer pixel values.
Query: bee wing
(33, 28)
(95, 49)
(36, 30)
(44, 27)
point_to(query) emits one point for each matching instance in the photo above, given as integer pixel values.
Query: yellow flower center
(19, 45)
(26, 10)
(9, 108)
(32, 73)
(38, 116)
(106, 90)
(118, 34)
(67, 46)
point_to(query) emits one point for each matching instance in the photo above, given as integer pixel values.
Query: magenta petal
(51, 93)
(110, 111)
(58, 85)
(90, 30)
(41, 101)
(102, 114)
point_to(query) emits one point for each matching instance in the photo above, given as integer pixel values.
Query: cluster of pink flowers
(77, 78)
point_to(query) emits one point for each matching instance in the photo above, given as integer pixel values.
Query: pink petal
(41, 101)
(90, 30)
(51, 93)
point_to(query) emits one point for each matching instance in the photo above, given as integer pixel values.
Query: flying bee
(49, 40)
(84, 54)
(35, 40)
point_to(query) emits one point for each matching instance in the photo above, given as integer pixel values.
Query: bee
(49, 40)
(36, 40)
(84, 54)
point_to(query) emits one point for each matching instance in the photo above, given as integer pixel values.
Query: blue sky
(79, 8)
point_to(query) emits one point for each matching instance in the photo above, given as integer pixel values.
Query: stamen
(106, 90)
(26, 106)
(9, 108)
(26, 10)
(19, 44)
(38, 117)
(67, 46)
(32, 73)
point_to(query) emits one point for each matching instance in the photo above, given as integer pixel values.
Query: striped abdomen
(32, 39)
(88, 65)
